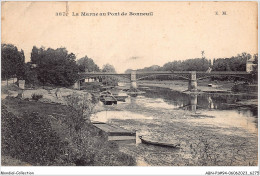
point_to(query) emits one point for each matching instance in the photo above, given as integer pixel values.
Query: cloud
(135, 57)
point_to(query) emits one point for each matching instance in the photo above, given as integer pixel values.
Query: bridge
(191, 76)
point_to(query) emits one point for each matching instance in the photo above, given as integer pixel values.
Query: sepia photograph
(143, 83)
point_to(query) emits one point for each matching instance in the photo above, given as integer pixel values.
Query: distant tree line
(234, 63)
(48, 66)
(58, 67)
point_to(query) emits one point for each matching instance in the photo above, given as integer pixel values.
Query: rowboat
(161, 144)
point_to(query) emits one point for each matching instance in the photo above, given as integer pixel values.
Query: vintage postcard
(129, 84)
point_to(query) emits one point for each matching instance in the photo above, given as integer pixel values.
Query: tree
(109, 81)
(235, 63)
(196, 64)
(151, 68)
(55, 67)
(87, 65)
(30, 75)
(255, 67)
(128, 70)
(108, 68)
(12, 62)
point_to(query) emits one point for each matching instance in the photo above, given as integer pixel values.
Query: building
(250, 64)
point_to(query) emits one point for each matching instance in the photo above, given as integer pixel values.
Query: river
(212, 129)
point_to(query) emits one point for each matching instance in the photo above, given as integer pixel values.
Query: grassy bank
(40, 133)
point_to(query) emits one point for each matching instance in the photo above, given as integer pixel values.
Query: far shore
(203, 86)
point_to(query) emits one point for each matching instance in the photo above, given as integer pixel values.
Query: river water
(214, 123)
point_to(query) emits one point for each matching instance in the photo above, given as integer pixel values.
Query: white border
(133, 170)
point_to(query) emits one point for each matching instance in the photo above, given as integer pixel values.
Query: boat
(161, 144)
(121, 96)
(107, 98)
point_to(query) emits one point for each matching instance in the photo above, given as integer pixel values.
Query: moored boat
(120, 97)
(107, 98)
(162, 144)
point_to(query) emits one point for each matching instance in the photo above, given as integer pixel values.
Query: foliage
(47, 141)
(234, 63)
(12, 62)
(108, 68)
(109, 81)
(81, 103)
(86, 64)
(151, 68)
(197, 64)
(55, 67)
(86, 150)
(128, 70)
(36, 96)
(30, 76)
(29, 138)
(255, 67)
(237, 63)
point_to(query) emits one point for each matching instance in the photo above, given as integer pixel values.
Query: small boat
(107, 98)
(105, 93)
(120, 97)
(161, 144)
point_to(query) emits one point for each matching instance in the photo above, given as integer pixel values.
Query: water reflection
(229, 118)
(195, 102)
(223, 107)
(216, 113)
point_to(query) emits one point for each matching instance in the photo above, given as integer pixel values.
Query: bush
(36, 96)
(65, 140)
(30, 138)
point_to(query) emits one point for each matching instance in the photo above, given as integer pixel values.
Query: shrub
(36, 96)
(30, 138)
(65, 140)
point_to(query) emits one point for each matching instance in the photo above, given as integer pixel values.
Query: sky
(175, 31)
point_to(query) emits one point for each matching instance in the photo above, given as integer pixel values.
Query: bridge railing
(170, 72)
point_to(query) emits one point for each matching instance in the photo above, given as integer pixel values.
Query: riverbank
(41, 133)
(182, 85)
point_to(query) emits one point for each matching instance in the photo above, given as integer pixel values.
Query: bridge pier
(133, 80)
(193, 82)
(193, 102)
